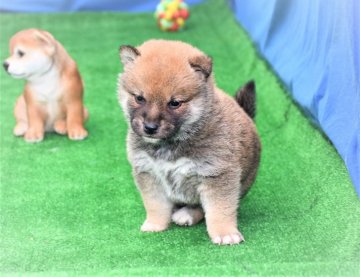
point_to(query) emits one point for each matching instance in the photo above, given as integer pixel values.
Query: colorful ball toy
(171, 15)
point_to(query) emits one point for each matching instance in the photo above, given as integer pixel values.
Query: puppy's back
(238, 116)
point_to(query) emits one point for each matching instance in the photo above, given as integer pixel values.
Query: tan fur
(52, 100)
(204, 153)
(158, 207)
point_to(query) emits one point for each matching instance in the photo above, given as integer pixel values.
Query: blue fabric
(81, 5)
(314, 48)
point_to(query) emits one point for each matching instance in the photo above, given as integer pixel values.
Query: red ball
(174, 27)
(184, 13)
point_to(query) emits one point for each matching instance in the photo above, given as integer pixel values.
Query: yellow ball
(172, 7)
(180, 21)
(168, 15)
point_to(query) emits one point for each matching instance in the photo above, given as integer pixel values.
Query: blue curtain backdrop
(81, 5)
(314, 46)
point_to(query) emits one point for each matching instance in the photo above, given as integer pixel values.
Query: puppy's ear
(128, 54)
(47, 39)
(202, 65)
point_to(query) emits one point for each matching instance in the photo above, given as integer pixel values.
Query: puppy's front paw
(234, 238)
(153, 227)
(224, 233)
(77, 133)
(33, 136)
(187, 216)
(20, 129)
(60, 127)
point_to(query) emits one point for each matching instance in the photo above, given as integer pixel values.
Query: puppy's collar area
(52, 69)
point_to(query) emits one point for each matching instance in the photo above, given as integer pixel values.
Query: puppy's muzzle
(150, 128)
(6, 65)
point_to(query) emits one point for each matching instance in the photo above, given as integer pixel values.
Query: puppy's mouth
(17, 76)
(150, 139)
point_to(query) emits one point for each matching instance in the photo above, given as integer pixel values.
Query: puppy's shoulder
(71, 79)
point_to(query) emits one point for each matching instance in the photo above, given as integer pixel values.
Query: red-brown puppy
(194, 150)
(53, 94)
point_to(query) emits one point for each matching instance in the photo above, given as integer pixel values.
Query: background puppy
(192, 147)
(53, 94)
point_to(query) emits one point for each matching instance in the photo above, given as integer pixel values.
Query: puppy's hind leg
(86, 114)
(60, 125)
(188, 216)
(21, 117)
(75, 121)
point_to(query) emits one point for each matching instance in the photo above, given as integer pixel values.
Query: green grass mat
(71, 208)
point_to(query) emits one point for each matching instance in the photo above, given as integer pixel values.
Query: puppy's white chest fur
(47, 91)
(179, 178)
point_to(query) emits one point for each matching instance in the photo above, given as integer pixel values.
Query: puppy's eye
(139, 99)
(173, 104)
(20, 53)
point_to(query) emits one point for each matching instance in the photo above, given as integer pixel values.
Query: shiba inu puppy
(193, 149)
(53, 96)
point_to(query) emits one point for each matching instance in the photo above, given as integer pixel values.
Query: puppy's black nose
(150, 128)
(6, 65)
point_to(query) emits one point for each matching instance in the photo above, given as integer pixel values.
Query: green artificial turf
(71, 208)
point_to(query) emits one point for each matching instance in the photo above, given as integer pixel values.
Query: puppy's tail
(246, 98)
